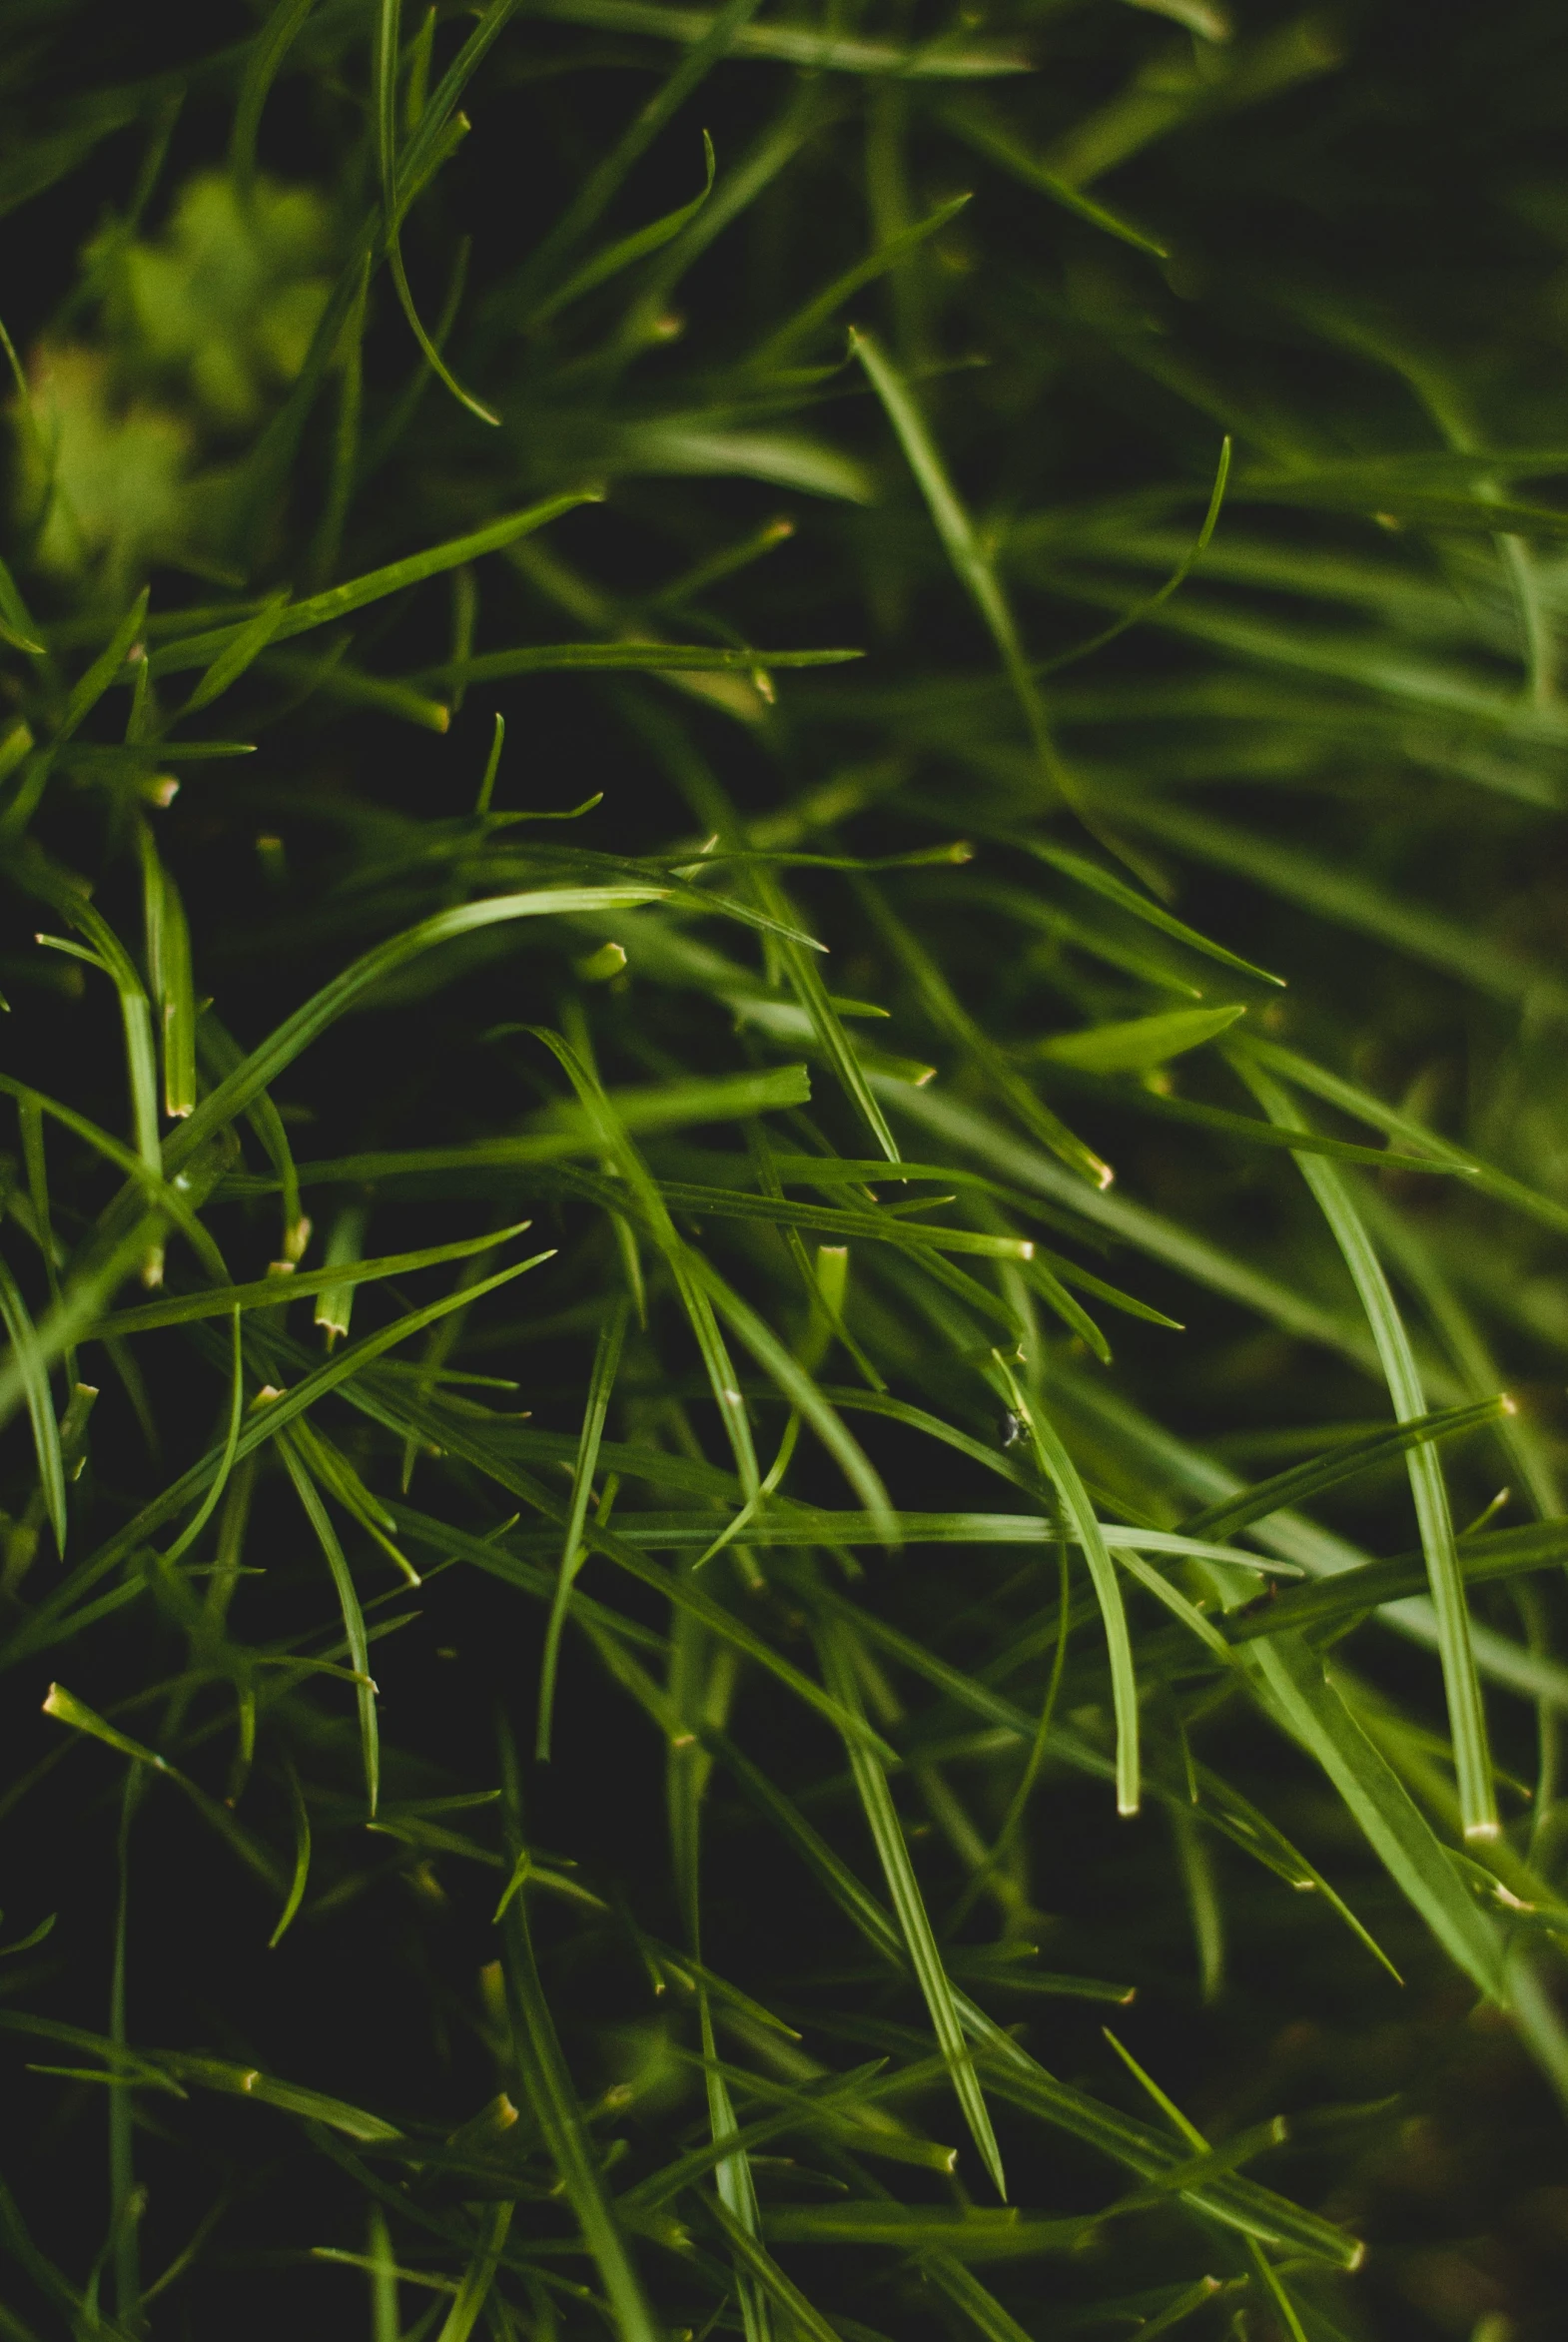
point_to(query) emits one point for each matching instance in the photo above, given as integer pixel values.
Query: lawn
(783, 1282)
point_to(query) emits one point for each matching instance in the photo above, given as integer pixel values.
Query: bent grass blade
(601, 1383)
(1461, 1682)
(1056, 1466)
(924, 1958)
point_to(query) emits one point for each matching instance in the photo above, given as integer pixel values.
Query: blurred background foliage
(1058, 504)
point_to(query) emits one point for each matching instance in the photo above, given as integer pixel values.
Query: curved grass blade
(413, 161)
(816, 312)
(267, 54)
(972, 563)
(477, 2278)
(168, 968)
(599, 186)
(1363, 1107)
(294, 1460)
(1056, 1466)
(1139, 1044)
(1348, 899)
(1172, 584)
(629, 249)
(32, 1374)
(1352, 1594)
(219, 1054)
(947, 1013)
(557, 2111)
(214, 2073)
(271, 1293)
(307, 1022)
(1239, 2202)
(338, 1372)
(356, 593)
(821, 52)
(136, 1017)
(219, 1480)
(1461, 1684)
(871, 1783)
(1250, 1131)
(1291, 1680)
(980, 128)
(1304, 1481)
(245, 646)
(1116, 890)
(607, 1364)
(385, 60)
(683, 1263)
(67, 1709)
(629, 658)
(302, 1860)
(764, 2273)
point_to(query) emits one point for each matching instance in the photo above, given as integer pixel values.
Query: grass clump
(781, 803)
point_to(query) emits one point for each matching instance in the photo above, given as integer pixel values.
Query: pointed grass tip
(600, 966)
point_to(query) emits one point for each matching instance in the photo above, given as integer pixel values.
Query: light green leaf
(606, 1364)
(1292, 1682)
(1140, 1045)
(924, 1958)
(1461, 1684)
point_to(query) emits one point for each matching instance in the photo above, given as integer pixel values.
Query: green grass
(781, 799)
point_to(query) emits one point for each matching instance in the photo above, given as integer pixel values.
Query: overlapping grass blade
(605, 1365)
(1461, 1684)
(925, 1958)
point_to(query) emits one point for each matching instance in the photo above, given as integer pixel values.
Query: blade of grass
(364, 1692)
(1461, 1684)
(273, 1291)
(235, 1093)
(30, 1371)
(816, 312)
(1056, 1466)
(336, 602)
(301, 1861)
(971, 565)
(267, 51)
(168, 969)
(983, 130)
(627, 249)
(1301, 1482)
(876, 1798)
(399, 173)
(556, 2109)
(1292, 1682)
(607, 1364)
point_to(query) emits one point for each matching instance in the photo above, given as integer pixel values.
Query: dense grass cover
(781, 797)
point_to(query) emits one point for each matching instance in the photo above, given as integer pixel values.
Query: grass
(781, 798)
